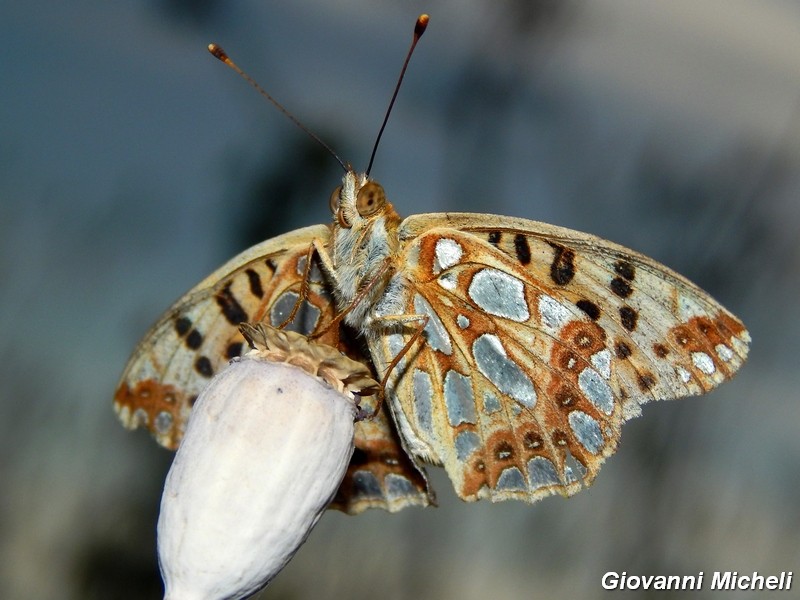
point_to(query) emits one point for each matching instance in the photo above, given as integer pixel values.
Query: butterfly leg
(362, 294)
(315, 248)
(418, 323)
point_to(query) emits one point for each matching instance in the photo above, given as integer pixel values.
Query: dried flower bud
(265, 449)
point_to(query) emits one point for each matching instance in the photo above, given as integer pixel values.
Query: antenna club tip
(218, 53)
(421, 25)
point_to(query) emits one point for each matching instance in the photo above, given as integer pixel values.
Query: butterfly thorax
(363, 244)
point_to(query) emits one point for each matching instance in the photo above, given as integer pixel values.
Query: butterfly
(512, 351)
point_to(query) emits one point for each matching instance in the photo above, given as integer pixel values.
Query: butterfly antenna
(419, 29)
(221, 55)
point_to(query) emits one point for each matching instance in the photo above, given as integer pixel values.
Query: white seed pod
(264, 452)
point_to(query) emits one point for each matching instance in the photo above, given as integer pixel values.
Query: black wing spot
(532, 440)
(565, 397)
(590, 308)
(661, 350)
(194, 340)
(255, 283)
(495, 237)
(621, 287)
(562, 270)
(360, 457)
(623, 350)
(522, 248)
(182, 326)
(230, 306)
(504, 451)
(646, 382)
(625, 269)
(233, 350)
(628, 316)
(203, 366)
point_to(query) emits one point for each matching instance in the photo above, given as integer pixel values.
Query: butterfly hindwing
(540, 343)
(199, 335)
(381, 474)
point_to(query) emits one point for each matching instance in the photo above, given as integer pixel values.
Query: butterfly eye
(370, 200)
(334, 200)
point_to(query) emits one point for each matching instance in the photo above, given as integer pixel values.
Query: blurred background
(132, 164)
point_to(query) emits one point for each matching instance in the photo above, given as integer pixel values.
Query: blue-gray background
(132, 164)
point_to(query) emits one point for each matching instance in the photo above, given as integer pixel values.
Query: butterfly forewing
(199, 335)
(540, 342)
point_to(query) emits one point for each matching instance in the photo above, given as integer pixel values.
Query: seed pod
(265, 450)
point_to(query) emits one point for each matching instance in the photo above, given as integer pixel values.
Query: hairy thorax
(364, 256)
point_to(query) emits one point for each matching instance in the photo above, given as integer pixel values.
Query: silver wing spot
(703, 362)
(459, 399)
(435, 333)
(725, 353)
(423, 400)
(597, 390)
(554, 315)
(511, 479)
(587, 430)
(466, 443)
(305, 321)
(504, 373)
(447, 253)
(163, 422)
(542, 473)
(499, 294)
(602, 362)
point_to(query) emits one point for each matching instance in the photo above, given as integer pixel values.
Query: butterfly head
(359, 201)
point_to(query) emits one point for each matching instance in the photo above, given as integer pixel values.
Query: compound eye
(370, 200)
(334, 200)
